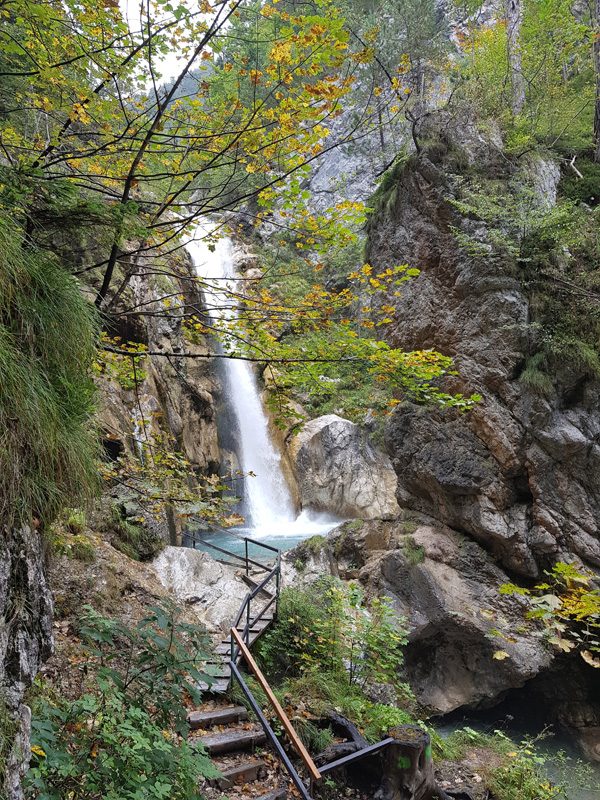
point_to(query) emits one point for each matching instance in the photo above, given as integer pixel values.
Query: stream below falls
(564, 763)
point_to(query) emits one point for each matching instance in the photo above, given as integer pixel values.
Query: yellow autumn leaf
(500, 655)
(590, 659)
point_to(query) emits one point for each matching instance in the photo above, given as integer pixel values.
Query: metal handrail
(283, 717)
(246, 604)
(239, 648)
(356, 756)
(296, 779)
(245, 558)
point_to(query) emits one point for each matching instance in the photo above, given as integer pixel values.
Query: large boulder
(214, 591)
(445, 590)
(448, 589)
(339, 471)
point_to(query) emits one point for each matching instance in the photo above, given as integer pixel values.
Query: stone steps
(219, 716)
(232, 740)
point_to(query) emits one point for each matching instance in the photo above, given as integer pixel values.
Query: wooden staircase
(236, 747)
(224, 729)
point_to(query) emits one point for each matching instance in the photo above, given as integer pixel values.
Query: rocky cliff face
(446, 589)
(25, 643)
(519, 473)
(499, 492)
(174, 407)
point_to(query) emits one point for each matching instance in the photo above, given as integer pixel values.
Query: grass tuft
(47, 343)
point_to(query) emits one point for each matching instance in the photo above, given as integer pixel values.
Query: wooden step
(222, 671)
(254, 584)
(257, 627)
(232, 740)
(277, 794)
(246, 772)
(218, 685)
(219, 716)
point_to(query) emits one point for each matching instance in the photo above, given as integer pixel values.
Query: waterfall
(270, 508)
(268, 498)
(138, 433)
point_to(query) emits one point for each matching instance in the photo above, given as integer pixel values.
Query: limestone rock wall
(520, 473)
(444, 588)
(175, 406)
(25, 643)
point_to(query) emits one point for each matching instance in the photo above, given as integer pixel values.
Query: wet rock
(445, 587)
(339, 471)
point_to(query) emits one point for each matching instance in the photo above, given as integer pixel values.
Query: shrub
(327, 628)
(123, 738)
(75, 520)
(324, 692)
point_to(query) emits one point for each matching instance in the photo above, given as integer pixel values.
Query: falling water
(268, 498)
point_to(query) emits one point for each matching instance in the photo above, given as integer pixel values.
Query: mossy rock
(413, 552)
(310, 547)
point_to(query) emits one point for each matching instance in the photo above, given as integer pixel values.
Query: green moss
(309, 547)
(414, 553)
(408, 525)
(133, 539)
(66, 537)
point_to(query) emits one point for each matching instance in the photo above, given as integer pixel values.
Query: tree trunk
(597, 70)
(514, 18)
(407, 766)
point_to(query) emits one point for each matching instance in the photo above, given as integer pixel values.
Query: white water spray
(269, 501)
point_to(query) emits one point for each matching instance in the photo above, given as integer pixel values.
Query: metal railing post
(248, 622)
(277, 584)
(247, 564)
